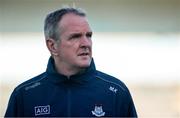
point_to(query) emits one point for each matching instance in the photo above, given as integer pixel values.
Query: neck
(63, 69)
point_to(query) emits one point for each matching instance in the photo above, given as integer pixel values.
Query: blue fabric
(88, 94)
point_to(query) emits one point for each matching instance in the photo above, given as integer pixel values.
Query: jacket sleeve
(132, 110)
(14, 106)
(125, 104)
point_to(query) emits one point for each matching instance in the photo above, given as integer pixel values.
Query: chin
(85, 63)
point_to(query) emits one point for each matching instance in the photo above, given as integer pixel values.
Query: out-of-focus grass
(157, 100)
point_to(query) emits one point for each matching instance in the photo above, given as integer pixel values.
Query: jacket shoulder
(16, 100)
(111, 80)
(35, 81)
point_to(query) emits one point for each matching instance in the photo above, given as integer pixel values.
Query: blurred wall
(104, 15)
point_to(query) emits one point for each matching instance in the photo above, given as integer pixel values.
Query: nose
(85, 42)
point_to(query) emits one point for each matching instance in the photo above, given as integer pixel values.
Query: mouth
(83, 54)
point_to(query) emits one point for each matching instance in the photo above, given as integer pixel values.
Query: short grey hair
(51, 29)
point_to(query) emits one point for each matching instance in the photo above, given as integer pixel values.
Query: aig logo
(41, 110)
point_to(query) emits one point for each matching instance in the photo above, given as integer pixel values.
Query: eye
(89, 34)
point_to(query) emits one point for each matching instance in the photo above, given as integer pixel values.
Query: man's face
(75, 46)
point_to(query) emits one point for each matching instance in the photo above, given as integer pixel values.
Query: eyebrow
(78, 34)
(75, 35)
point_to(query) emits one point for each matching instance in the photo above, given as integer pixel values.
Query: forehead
(74, 22)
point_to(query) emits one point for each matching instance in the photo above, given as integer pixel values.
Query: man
(71, 85)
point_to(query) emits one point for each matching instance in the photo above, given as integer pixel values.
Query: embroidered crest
(41, 110)
(98, 111)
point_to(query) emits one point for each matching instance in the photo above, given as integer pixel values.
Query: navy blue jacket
(88, 94)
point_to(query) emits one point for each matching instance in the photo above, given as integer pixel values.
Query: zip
(69, 102)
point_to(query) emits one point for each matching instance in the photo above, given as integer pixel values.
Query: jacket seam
(31, 82)
(111, 82)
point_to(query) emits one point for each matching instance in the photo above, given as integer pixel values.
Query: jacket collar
(56, 77)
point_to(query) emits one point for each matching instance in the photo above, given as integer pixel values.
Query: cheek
(91, 43)
(68, 49)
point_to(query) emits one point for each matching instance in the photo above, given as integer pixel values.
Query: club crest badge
(98, 111)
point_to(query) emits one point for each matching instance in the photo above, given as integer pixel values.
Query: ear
(52, 46)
